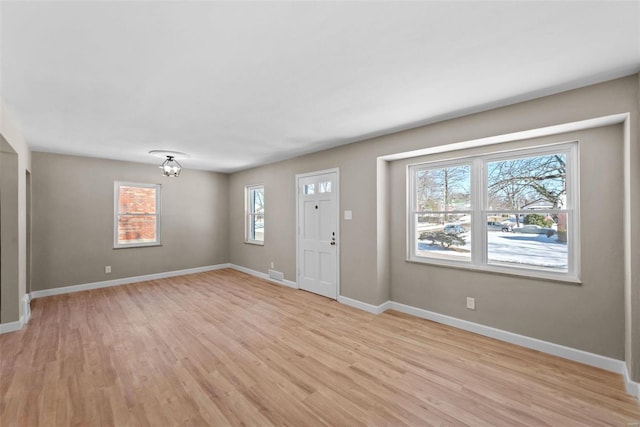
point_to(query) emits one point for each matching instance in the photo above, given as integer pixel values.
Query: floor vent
(276, 275)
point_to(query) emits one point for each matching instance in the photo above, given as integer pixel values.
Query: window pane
(536, 239)
(309, 188)
(444, 189)
(537, 182)
(136, 229)
(257, 228)
(438, 237)
(325, 187)
(257, 200)
(137, 200)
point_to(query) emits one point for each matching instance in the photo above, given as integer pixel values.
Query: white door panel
(318, 233)
(309, 227)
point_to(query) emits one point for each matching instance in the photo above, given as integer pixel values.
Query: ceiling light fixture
(170, 167)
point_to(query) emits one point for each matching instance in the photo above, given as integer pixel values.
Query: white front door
(318, 233)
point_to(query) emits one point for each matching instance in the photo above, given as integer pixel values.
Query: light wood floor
(224, 348)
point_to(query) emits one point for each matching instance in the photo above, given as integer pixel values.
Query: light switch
(347, 215)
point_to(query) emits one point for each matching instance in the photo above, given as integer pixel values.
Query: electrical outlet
(272, 266)
(471, 303)
(107, 269)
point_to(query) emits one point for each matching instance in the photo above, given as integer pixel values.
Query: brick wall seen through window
(137, 216)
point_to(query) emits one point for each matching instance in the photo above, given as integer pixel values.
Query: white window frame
(250, 214)
(117, 213)
(479, 212)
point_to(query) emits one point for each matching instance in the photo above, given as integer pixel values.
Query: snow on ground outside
(510, 248)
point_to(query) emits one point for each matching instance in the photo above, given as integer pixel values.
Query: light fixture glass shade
(171, 167)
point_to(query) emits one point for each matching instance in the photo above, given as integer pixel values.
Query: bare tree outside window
(445, 189)
(512, 184)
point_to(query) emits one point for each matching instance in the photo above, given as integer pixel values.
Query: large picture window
(137, 215)
(513, 212)
(254, 208)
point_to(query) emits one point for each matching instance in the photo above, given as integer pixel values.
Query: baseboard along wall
(24, 318)
(124, 281)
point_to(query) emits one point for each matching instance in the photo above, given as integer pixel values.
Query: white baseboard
(632, 387)
(264, 276)
(576, 355)
(11, 326)
(124, 281)
(26, 308)
(24, 319)
(370, 308)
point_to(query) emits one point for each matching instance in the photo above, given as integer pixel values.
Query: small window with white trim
(137, 215)
(254, 211)
(513, 212)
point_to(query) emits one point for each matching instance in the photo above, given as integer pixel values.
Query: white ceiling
(239, 84)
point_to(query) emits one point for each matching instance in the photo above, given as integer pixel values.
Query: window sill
(523, 273)
(138, 246)
(254, 242)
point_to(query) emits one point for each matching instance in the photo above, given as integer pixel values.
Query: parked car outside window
(453, 229)
(534, 229)
(501, 226)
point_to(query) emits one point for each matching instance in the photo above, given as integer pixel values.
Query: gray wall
(364, 240)
(9, 252)
(13, 142)
(73, 221)
(280, 218)
(588, 316)
(632, 250)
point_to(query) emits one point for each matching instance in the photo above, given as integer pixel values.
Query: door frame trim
(338, 231)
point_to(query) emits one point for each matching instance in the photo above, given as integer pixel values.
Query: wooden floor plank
(225, 348)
